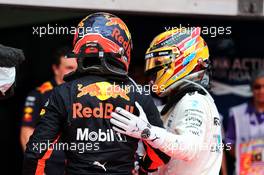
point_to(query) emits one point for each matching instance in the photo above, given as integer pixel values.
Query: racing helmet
(176, 58)
(102, 44)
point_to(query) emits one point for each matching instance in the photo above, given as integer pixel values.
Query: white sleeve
(189, 124)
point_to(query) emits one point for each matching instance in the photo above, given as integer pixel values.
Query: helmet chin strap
(189, 86)
(200, 86)
(135, 84)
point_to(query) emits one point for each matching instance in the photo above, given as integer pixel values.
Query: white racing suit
(194, 140)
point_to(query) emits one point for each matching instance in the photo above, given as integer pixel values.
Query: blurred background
(233, 29)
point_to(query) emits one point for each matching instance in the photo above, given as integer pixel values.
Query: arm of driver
(44, 136)
(189, 125)
(25, 133)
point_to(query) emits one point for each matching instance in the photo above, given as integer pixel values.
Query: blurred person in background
(35, 101)
(245, 130)
(178, 62)
(10, 58)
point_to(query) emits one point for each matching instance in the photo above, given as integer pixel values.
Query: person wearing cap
(245, 130)
(37, 98)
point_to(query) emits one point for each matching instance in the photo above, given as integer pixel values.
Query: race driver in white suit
(178, 62)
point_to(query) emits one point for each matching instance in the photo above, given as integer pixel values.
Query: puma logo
(100, 165)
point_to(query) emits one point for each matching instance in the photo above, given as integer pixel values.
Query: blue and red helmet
(103, 43)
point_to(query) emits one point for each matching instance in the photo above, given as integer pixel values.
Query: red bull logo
(120, 39)
(120, 23)
(103, 91)
(103, 111)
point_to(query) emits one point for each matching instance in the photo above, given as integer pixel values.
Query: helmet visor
(156, 63)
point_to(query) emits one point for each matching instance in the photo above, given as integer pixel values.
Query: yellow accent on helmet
(173, 55)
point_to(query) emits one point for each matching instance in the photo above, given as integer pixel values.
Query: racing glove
(137, 126)
(183, 147)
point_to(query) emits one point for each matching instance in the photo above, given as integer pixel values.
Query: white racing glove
(136, 126)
